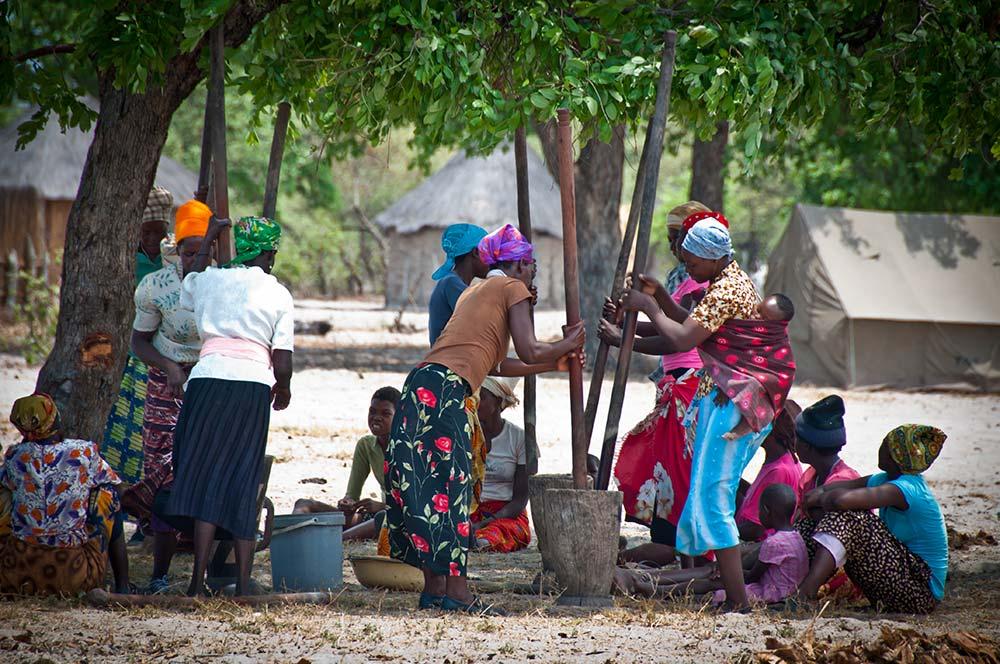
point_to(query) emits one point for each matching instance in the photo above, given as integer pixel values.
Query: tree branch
(43, 50)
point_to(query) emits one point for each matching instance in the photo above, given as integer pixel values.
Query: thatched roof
(53, 163)
(477, 190)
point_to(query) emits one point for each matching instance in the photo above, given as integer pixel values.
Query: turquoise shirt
(920, 527)
(144, 266)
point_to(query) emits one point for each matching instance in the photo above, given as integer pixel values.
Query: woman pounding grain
(245, 319)
(707, 521)
(428, 465)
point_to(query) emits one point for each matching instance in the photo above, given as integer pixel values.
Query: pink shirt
(785, 470)
(689, 359)
(787, 565)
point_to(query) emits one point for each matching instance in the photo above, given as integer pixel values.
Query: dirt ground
(315, 438)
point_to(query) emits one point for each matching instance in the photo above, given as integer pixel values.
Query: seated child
(751, 361)
(781, 566)
(781, 466)
(369, 457)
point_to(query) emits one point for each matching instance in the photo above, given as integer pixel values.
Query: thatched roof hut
(37, 187)
(475, 190)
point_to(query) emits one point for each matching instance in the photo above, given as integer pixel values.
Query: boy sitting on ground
(369, 457)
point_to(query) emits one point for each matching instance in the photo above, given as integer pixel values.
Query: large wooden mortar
(583, 544)
(537, 485)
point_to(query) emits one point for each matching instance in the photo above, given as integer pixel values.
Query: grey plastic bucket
(307, 552)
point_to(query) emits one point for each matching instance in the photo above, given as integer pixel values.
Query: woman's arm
(529, 348)
(680, 337)
(281, 393)
(520, 498)
(848, 500)
(651, 344)
(757, 571)
(143, 348)
(359, 473)
(204, 256)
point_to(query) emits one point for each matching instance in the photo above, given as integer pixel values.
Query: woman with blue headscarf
(708, 521)
(462, 264)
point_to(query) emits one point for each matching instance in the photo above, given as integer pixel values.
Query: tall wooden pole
(571, 275)
(274, 162)
(217, 107)
(655, 136)
(601, 360)
(205, 168)
(524, 225)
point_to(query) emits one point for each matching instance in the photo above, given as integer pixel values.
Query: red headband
(693, 219)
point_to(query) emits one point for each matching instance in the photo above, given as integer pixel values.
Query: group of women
(680, 469)
(211, 355)
(218, 347)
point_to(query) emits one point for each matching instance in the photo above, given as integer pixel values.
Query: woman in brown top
(428, 461)
(708, 522)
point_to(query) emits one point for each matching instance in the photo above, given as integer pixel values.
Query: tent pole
(571, 275)
(655, 136)
(524, 225)
(217, 107)
(274, 162)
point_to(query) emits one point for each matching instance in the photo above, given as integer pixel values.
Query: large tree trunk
(599, 169)
(708, 168)
(95, 305)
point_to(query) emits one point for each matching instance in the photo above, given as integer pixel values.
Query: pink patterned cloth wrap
(240, 349)
(752, 363)
(689, 359)
(505, 244)
(787, 565)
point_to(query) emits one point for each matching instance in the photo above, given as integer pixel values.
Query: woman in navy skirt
(245, 319)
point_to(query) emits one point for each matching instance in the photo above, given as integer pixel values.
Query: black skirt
(219, 445)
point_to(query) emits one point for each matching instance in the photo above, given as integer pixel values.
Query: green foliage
(39, 312)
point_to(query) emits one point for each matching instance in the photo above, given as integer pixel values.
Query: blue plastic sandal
(430, 601)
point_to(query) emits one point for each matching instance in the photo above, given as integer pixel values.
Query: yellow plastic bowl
(387, 573)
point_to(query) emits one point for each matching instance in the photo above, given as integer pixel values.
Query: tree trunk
(83, 370)
(599, 170)
(708, 168)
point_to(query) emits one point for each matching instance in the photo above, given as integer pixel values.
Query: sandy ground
(315, 438)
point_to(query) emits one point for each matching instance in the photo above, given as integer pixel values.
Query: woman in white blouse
(245, 319)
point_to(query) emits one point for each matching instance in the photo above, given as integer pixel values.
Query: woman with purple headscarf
(428, 463)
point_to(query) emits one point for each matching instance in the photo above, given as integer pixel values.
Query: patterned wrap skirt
(503, 535)
(122, 442)
(708, 522)
(219, 448)
(890, 576)
(429, 472)
(35, 569)
(159, 421)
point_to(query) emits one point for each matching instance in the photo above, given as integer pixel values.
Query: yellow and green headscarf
(914, 447)
(35, 416)
(254, 235)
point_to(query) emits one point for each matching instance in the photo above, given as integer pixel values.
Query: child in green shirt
(369, 457)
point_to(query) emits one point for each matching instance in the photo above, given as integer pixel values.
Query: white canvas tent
(889, 299)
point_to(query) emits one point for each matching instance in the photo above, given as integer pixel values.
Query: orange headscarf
(192, 220)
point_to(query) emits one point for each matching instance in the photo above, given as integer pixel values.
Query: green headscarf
(254, 235)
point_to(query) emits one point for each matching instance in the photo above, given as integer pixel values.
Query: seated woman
(500, 523)
(899, 559)
(780, 467)
(820, 435)
(59, 513)
(775, 574)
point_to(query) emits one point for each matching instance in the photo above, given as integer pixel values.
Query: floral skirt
(653, 470)
(429, 472)
(122, 442)
(503, 535)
